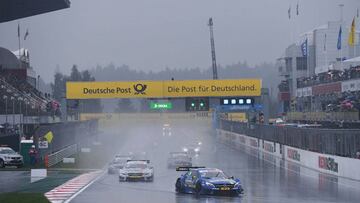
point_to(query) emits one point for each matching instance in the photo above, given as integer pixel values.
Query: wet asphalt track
(264, 179)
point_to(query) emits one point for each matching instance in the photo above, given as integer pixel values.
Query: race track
(264, 178)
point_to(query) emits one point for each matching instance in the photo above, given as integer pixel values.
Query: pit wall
(112, 120)
(120, 116)
(330, 164)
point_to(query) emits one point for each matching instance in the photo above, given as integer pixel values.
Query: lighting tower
(213, 56)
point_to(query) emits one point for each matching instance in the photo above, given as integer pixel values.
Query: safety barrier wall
(112, 120)
(340, 142)
(57, 157)
(118, 116)
(65, 135)
(336, 165)
(330, 164)
(255, 143)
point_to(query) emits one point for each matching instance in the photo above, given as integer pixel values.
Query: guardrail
(54, 158)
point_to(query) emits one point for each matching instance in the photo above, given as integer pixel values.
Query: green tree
(75, 74)
(58, 87)
(89, 105)
(86, 76)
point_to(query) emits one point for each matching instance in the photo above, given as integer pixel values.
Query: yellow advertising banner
(161, 89)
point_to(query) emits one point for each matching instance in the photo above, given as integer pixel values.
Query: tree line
(75, 106)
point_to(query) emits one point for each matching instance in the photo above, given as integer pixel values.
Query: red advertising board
(326, 88)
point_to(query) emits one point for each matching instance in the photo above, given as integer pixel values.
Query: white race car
(178, 159)
(118, 162)
(166, 130)
(137, 170)
(192, 150)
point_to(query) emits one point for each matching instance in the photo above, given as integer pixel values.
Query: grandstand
(21, 103)
(15, 9)
(333, 96)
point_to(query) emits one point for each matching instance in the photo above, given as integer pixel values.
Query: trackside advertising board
(163, 89)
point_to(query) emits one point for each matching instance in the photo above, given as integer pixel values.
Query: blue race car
(210, 181)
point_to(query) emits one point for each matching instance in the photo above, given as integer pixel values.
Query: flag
(339, 39)
(26, 34)
(49, 136)
(352, 34)
(289, 12)
(304, 47)
(325, 43)
(297, 8)
(18, 30)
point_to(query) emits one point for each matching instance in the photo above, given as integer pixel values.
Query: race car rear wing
(187, 168)
(147, 161)
(178, 152)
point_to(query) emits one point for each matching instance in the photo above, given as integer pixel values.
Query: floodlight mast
(213, 56)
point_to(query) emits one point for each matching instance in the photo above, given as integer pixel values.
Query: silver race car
(166, 129)
(192, 150)
(118, 162)
(178, 159)
(137, 170)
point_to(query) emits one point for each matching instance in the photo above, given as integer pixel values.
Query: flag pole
(341, 55)
(341, 6)
(307, 56)
(326, 56)
(354, 37)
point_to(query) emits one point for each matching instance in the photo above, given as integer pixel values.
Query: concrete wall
(335, 165)
(330, 164)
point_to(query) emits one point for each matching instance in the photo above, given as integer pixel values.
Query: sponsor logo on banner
(43, 144)
(350, 85)
(254, 143)
(328, 163)
(140, 88)
(269, 147)
(242, 139)
(293, 154)
(161, 89)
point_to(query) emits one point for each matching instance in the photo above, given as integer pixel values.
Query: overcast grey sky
(154, 34)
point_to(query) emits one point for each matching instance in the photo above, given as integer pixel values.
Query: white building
(327, 54)
(322, 53)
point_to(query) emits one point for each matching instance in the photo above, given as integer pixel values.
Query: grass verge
(23, 198)
(54, 179)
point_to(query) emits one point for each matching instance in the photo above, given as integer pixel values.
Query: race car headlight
(7, 157)
(209, 184)
(185, 149)
(196, 149)
(147, 174)
(123, 173)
